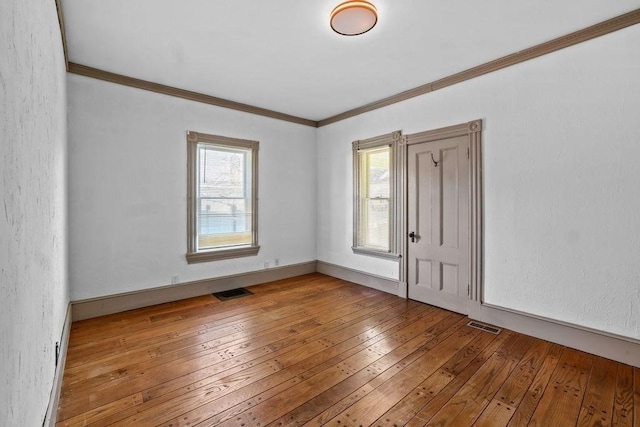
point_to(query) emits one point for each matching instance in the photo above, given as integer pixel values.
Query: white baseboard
(52, 409)
(361, 278)
(403, 290)
(615, 347)
(95, 307)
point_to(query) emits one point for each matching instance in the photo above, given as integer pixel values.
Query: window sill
(373, 252)
(217, 254)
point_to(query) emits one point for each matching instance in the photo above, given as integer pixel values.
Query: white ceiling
(282, 54)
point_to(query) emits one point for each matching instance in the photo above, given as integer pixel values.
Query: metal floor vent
(484, 327)
(233, 293)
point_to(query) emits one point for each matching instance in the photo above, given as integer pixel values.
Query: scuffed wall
(33, 254)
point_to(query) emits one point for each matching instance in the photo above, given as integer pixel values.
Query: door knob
(413, 236)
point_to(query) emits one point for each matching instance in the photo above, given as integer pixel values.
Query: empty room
(343, 213)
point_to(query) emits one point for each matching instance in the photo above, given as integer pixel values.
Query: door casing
(473, 131)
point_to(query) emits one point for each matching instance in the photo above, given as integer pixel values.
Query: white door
(438, 220)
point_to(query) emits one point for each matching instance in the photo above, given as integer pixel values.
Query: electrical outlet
(175, 280)
(276, 262)
(266, 264)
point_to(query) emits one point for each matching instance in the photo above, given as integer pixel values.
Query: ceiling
(283, 56)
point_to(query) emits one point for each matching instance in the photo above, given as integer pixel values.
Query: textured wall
(127, 192)
(561, 180)
(33, 263)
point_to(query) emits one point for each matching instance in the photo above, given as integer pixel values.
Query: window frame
(194, 139)
(392, 140)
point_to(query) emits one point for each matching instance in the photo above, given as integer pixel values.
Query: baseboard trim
(52, 410)
(361, 278)
(620, 348)
(615, 347)
(102, 306)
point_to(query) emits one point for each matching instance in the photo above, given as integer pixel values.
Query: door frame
(473, 130)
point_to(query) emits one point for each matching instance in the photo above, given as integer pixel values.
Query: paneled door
(438, 223)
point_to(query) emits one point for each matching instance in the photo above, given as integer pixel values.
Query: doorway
(443, 221)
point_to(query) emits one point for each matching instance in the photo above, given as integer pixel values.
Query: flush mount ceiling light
(351, 18)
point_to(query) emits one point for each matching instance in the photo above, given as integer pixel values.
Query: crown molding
(107, 76)
(63, 33)
(592, 32)
(167, 90)
(580, 36)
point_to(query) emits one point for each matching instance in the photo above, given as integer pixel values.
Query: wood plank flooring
(315, 350)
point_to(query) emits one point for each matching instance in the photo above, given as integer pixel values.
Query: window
(222, 206)
(374, 195)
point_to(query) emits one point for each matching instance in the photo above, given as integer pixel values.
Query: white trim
(102, 306)
(403, 290)
(616, 347)
(52, 410)
(380, 283)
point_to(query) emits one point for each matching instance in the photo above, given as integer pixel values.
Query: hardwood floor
(315, 350)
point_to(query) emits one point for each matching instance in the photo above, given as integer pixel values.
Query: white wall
(33, 253)
(335, 194)
(561, 180)
(127, 173)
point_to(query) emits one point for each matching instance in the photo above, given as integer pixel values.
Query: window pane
(374, 213)
(223, 212)
(376, 231)
(378, 173)
(375, 190)
(224, 222)
(222, 172)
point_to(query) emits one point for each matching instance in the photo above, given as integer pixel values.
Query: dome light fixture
(351, 18)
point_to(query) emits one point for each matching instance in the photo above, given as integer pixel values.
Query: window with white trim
(374, 220)
(222, 202)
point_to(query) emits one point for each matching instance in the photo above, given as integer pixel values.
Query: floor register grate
(232, 294)
(484, 327)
